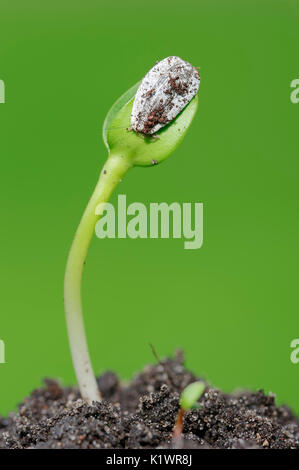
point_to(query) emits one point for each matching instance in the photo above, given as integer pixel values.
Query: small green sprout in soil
(166, 111)
(190, 395)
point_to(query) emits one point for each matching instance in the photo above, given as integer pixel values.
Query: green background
(233, 304)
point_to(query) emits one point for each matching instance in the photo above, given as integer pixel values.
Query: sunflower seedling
(188, 400)
(164, 106)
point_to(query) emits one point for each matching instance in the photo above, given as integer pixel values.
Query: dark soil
(142, 413)
(178, 86)
(155, 117)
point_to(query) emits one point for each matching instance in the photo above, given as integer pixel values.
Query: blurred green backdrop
(232, 305)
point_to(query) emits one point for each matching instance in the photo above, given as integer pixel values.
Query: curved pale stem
(113, 171)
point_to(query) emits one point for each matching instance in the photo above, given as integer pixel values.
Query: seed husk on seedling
(126, 149)
(190, 395)
(163, 93)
